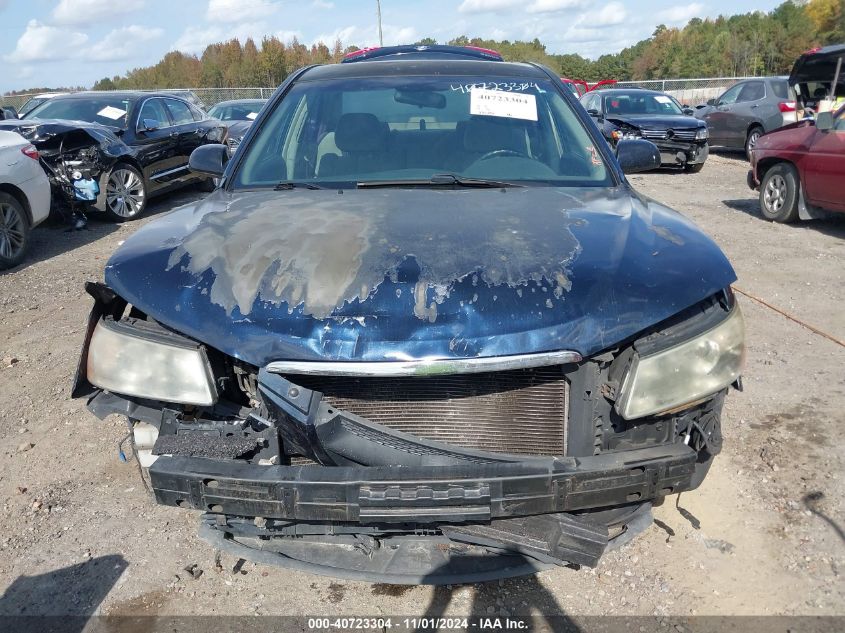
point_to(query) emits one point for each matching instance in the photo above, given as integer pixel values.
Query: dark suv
(423, 332)
(747, 110)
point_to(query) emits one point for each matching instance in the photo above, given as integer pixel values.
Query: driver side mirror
(149, 125)
(636, 155)
(824, 121)
(711, 102)
(688, 111)
(209, 160)
(595, 113)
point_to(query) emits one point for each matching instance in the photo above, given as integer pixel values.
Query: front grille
(522, 411)
(233, 143)
(662, 135)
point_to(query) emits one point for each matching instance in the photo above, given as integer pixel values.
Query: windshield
(106, 110)
(640, 103)
(240, 111)
(400, 129)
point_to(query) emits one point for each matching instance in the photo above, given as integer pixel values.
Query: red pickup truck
(800, 168)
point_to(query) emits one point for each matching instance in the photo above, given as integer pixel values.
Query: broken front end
(76, 157)
(418, 471)
(680, 147)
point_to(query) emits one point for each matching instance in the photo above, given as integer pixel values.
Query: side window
(594, 103)
(180, 112)
(752, 91)
(153, 110)
(839, 125)
(781, 89)
(731, 95)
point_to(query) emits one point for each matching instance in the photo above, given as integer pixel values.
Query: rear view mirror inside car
(421, 98)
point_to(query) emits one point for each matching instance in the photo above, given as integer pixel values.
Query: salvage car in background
(449, 352)
(800, 169)
(747, 110)
(136, 143)
(35, 101)
(655, 116)
(24, 197)
(237, 115)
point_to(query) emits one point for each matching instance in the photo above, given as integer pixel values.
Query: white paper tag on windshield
(662, 99)
(251, 116)
(110, 112)
(511, 105)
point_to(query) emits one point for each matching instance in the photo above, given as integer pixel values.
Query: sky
(77, 42)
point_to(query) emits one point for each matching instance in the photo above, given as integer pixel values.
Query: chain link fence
(687, 91)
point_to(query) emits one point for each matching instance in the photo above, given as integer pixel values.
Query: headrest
(489, 134)
(360, 132)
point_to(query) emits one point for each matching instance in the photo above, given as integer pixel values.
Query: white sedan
(24, 196)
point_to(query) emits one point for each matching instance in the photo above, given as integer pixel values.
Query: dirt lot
(763, 535)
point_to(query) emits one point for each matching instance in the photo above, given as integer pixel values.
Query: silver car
(24, 196)
(747, 110)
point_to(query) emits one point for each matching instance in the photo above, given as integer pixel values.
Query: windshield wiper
(288, 185)
(439, 180)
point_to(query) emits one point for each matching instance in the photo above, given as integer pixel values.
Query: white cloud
(40, 43)
(681, 14)
(195, 38)
(488, 6)
(363, 37)
(551, 6)
(322, 4)
(232, 11)
(87, 11)
(122, 44)
(612, 14)
(287, 36)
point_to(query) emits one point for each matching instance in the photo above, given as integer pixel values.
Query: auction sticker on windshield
(511, 105)
(110, 112)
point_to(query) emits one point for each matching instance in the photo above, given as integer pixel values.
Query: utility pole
(378, 11)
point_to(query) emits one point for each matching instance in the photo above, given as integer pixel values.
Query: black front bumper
(424, 495)
(682, 153)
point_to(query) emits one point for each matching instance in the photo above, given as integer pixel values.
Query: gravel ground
(763, 535)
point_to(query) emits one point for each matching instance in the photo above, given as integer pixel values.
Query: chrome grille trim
(423, 366)
(677, 135)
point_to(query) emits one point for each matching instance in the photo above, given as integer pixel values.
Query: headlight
(618, 135)
(685, 373)
(139, 362)
(701, 134)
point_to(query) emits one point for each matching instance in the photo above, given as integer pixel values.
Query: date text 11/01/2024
(419, 624)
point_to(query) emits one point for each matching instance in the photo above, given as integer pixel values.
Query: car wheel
(693, 168)
(754, 135)
(779, 193)
(14, 231)
(126, 193)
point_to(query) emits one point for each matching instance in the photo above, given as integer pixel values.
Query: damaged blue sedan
(424, 330)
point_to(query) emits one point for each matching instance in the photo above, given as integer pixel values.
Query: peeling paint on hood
(393, 274)
(320, 250)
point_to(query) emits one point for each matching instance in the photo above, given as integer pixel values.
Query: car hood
(657, 122)
(394, 274)
(52, 135)
(237, 128)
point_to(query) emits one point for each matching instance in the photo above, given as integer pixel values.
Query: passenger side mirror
(149, 125)
(636, 155)
(824, 121)
(711, 102)
(688, 111)
(209, 160)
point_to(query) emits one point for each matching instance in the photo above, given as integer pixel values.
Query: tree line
(757, 43)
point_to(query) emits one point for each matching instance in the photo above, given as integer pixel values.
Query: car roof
(632, 89)
(119, 94)
(417, 51)
(412, 66)
(236, 101)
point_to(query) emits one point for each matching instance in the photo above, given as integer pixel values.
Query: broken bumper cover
(677, 153)
(422, 495)
(427, 524)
